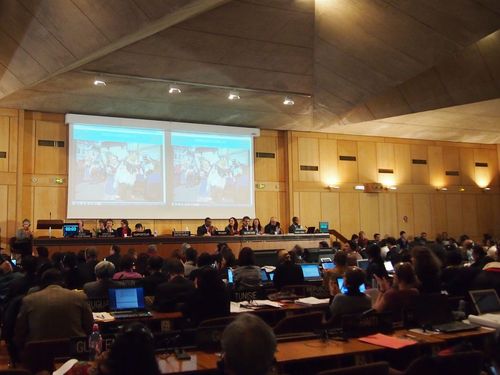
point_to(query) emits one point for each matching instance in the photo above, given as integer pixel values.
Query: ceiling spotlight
(174, 90)
(359, 187)
(234, 95)
(288, 101)
(99, 82)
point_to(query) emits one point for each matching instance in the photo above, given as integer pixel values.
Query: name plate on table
(220, 233)
(141, 234)
(84, 235)
(300, 231)
(181, 233)
(248, 233)
(79, 346)
(106, 234)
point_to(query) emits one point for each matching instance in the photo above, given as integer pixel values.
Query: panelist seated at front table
(232, 226)
(140, 231)
(246, 227)
(207, 229)
(108, 230)
(82, 232)
(295, 227)
(273, 227)
(124, 230)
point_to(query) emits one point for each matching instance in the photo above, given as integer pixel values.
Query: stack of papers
(387, 341)
(103, 317)
(239, 307)
(313, 301)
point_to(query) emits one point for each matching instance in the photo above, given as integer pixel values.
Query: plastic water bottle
(95, 343)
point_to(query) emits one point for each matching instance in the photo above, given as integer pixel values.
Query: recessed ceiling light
(99, 82)
(173, 89)
(234, 95)
(288, 101)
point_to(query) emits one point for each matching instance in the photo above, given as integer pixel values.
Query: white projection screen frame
(125, 168)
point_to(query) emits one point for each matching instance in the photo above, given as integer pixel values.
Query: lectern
(49, 224)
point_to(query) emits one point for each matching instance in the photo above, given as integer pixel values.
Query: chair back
(469, 363)
(377, 368)
(299, 323)
(40, 355)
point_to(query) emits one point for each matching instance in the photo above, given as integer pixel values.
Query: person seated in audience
(403, 291)
(156, 276)
(479, 257)
(488, 277)
(248, 346)
(287, 272)
(209, 300)
(273, 227)
(127, 266)
(132, 353)
(225, 259)
(232, 226)
(124, 230)
(24, 233)
(376, 238)
(86, 270)
(53, 313)
(42, 256)
(205, 260)
(104, 272)
(427, 268)
(299, 254)
(207, 229)
(491, 249)
(362, 240)
(109, 227)
(21, 285)
(247, 274)
(375, 263)
(353, 301)
(7, 277)
(114, 256)
(191, 259)
(295, 225)
(402, 241)
(395, 255)
(69, 264)
(141, 264)
(256, 226)
(340, 262)
(81, 230)
(352, 254)
(245, 225)
(172, 294)
(139, 229)
(455, 278)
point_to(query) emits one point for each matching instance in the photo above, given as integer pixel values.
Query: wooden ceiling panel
(390, 103)
(155, 9)
(8, 81)
(296, 5)
(489, 47)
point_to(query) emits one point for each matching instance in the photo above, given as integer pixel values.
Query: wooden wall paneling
(469, 215)
(367, 162)
(14, 143)
(330, 209)
(405, 215)
(12, 210)
(29, 140)
(369, 214)
(483, 176)
(310, 208)
(435, 161)
(422, 214)
(308, 155)
(296, 206)
(402, 164)
(4, 203)
(493, 164)
(467, 171)
(167, 226)
(451, 162)
(454, 215)
(438, 210)
(266, 169)
(282, 214)
(348, 170)
(282, 157)
(419, 172)
(496, 216)
(349, 213)
(485, 206)
(4, 142)
(28, 193)
(266, 205)
(51, 160)
(385, 160)
(328, 162)
(49, 200)
(388, 214)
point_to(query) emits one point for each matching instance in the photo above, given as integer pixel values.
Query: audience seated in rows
(155, 275)
(287, 272)
(173, 294)
(115, 257)
(104, 272)
(247, 274)
(127, 266)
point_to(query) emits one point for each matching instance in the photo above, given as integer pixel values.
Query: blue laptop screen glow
(343, 289)
(70, 230)
(263, 276)
(126, 298)
(310, 271)
(328, 266)
(230, 278)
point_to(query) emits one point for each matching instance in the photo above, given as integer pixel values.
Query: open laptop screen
(486, 301)
(126, 299)
(263, 276)
(230, 277)
(70, 229)
(363, 264)
(310, 271)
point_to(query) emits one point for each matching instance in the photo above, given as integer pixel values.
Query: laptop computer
(328, 265)
(485, 301)
(311, 272)
(323, 227)
(127, 303)
(389, 267)
(70, 229)
(343, 288)
(263, 276)
(311, 230)
(363, 264)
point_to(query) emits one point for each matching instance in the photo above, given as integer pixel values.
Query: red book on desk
(387, 341)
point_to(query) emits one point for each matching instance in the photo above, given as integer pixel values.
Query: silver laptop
(485, 301)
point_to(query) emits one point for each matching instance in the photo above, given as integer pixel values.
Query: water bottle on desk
(95, 343)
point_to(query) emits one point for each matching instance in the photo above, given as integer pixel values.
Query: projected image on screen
(118, 165)
(211, 170)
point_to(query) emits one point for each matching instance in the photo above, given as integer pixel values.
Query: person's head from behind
(348, 246)
(246, 257)
(127, 263)
(29, 265)
(175, 268)
(42, 252)
(285, 256)
(69, 261)
(51, 277)
(204, 260)
(208, 281)
(404, 275)
(354, 277)
(104, 270)
(453, 258)
(132, 352)
(115, 249)
(155, 263)
(152, 250)
(90, 253)
(227, 258)
(340, 259)
(191, 255)
(478, 252)
(248, 346)
(390, 241)
(425, 261)
(374, 252)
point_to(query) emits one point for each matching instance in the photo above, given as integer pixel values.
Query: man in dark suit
(124, 230)
(171, 295)
(295, 225)
(53, 312)
(104, 272)
(115, 257)
(82, 231)
(206, 229)
(155, 277)
(86, 270)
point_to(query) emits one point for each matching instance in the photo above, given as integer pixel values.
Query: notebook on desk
(126, 303)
